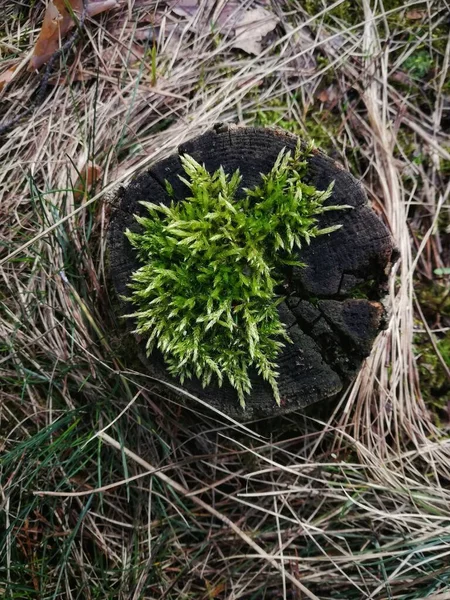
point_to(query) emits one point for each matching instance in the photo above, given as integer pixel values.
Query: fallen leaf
(53, 26)
(225, 14)
(323, 96)
(214, 592)
(152, 33)
(328, 95)
(229, 14)
(6, 77)
(401, 77)
(186, 8)
(252, 27)
(302, 44)
(415, 14)
(57, 22)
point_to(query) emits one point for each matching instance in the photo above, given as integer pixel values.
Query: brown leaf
(253, 25)
(214, 592)
(401, 77)
(415, 14)
(6, 77)
(57, 22)
(89, 176)
(328, 95)
(323, 96)
(48, 41)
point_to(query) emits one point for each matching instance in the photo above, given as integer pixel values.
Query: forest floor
(110, 487)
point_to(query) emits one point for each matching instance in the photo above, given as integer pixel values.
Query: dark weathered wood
(332, 333)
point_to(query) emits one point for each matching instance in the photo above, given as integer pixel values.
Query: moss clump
(419, 64)
(319, 125)
(206, 293)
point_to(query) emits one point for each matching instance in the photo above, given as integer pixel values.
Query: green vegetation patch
(206, 295)
(419, 64)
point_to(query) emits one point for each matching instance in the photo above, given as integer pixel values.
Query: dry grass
(110, 488)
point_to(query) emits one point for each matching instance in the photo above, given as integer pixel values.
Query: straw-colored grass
(112, 488)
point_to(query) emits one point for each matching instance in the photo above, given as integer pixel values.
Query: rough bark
(333, 307)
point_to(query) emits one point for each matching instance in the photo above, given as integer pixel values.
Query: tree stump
(333, 306)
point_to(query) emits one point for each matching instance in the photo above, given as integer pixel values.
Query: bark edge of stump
(334, 310)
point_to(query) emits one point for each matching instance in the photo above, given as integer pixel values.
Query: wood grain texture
(332, 332)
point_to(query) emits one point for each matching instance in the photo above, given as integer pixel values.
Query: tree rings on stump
(333, 306)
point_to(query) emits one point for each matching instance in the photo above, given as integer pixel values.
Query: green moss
(349, 12)
(274, 113)
(321, 127)
(418, 64)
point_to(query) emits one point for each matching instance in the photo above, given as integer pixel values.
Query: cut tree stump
(333, 306)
